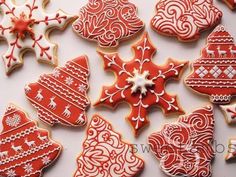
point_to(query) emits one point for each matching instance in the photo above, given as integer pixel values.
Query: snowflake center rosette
(29, 20)
(141, 83)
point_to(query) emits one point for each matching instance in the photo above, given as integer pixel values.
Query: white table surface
(71, 46)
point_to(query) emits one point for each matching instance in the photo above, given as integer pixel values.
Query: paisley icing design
(108, 22)
(185, 148)
(26, 27)
(141, 83)
(25, 150)
(214, 72)
(185, 19)
(105, 154)
(61, 97)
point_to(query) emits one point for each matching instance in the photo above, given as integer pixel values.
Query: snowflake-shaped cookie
(105, 154)
(27, 27)
(185, 19)
(141, 83)
(184, 148)
(108, 22)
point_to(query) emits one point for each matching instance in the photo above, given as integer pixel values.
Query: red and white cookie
(108, 22)
(141, 83)
(105, 154)
(231, 3)
(25, 149)
(215, 71)
(61, 97)
(185, 19)
(231, 149)
(230, 113)
(185, 148)
(26, 27)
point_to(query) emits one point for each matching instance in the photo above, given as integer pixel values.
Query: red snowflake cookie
(25, 150)
(185, 19)
(61, 97)
(108, 22)
(26, 27)
(231, 3)
(184, 148)
(141, 83)
(215, 71)
(105, 154)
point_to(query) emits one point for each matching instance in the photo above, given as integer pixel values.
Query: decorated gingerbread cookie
(231, 149)
(141, 83)
(185, 148)
(185, 19)
(108, 22)
(105, 154)
(214, 72)
(27, 27)
(230, 113)
(231, 3)
(61, 97)
(25, 150)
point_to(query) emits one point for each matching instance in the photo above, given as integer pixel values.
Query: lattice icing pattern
(141, 83)
(185, 19)
(214, 72)
(185, 148)
(108, 22)
(105, 154)
(25, 150)
(27, 27)
(61, 97)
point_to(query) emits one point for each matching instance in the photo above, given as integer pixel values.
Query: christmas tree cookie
(214, 72)
(105, 154)
(25, 149)
(108, 22)
(185, 148)
(27, 27)
(185, 19)
(141, 83)
(61, 97)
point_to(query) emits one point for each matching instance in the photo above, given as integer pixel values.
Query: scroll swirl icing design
(184, 148)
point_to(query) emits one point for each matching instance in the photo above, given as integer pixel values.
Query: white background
(71, 46)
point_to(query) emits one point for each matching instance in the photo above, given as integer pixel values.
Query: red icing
(231, 3)
(149, 79)
(185, 19)
(105, 154)
(25, 150)
(22, 26)
(215, 71)
(108, 22)
(233, 112)
(184, 148)
(61, 97)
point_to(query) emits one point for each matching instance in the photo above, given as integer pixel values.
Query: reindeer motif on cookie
(17, 149)
(3, 154)
(52, 105)
(232, 51)
(42, 138)
(67, 112)
(222, 53)
(30, 144)
(210, 53)
(39, 95)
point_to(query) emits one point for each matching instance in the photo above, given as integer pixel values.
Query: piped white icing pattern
(108, 21)
(141, 83)
(185, 148)
(230, 113)
(105, 154)
(25, 150)
(185, 19)
(214, 73)
(26, 27)
(61, 97)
